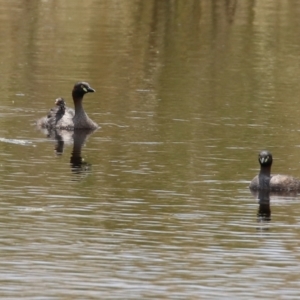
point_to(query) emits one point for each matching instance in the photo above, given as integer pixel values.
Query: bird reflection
(264, 197)
(77, 162)
(264, 210)
(78, 137)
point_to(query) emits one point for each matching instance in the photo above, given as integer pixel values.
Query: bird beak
(91, 90)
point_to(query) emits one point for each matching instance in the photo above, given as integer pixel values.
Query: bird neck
(265, 170)
(81, 119)
(78, 104)
(264, 177)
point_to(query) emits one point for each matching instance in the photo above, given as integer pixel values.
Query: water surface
(155, 204)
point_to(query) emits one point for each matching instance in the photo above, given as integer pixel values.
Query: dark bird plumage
(63, 117)
(274, 183)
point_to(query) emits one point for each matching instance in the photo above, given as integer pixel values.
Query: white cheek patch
(264, 160)
(84, 89)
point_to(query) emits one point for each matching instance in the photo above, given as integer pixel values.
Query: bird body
(275, 183)
(63, 117)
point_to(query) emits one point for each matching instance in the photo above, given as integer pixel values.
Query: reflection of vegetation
(202, 78)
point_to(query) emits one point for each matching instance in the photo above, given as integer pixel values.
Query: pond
(154, 204)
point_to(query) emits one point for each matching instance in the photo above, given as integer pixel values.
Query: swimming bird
(54, 114)
(62, 117)
(274, 183)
